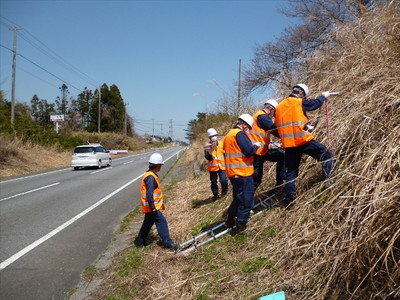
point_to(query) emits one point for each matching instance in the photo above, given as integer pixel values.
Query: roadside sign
(57, 118)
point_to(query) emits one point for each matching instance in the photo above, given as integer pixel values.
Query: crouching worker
(152, 205)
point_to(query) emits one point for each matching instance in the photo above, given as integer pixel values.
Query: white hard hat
(211, 132)
(248, 119)
(156, 159)
(271, 102)
(304, 88)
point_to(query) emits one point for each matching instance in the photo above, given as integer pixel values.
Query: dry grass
(18, 158)
(341, 242)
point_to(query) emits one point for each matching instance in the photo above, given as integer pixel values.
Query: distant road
(55, 224)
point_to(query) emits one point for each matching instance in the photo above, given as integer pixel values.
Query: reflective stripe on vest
(236, 163)
(257, 134)
(218, 161)
(290, 120)
(157, 194)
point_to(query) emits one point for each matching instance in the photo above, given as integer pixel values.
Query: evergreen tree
(35, 107)
(83, 104)
(62, 103)
(112, 110)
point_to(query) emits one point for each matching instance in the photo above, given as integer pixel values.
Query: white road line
(102, 170)
(36, 175)
(128, 162)
(31, 191)
(32, 246)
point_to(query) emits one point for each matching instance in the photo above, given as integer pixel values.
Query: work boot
(172, 246)
(240, 229)
(140, 242)
(230, 222)
(241, 226)
(215, 197)
(286, 204)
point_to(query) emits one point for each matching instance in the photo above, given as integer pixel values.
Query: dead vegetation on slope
(19, 158)
(341, 242)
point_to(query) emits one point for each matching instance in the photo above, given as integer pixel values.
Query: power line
(51, 54)
(150, 122)
(58, 59)
(69, 84)
(37, 77)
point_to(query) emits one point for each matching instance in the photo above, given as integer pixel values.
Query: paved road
(55, 224)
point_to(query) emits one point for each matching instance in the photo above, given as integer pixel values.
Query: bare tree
(281, 63)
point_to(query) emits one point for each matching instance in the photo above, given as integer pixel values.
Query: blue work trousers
(214, 182)
(158, 218)
(292, 161)
(273, 155)
(243, 198)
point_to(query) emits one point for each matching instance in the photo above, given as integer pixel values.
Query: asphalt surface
(121, 241)
(55, 224)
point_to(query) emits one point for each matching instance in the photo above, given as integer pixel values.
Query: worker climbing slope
(261, 132)
(291, 120)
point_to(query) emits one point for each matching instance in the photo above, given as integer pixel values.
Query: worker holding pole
(214, 153)
(239, 151)
(296, 137)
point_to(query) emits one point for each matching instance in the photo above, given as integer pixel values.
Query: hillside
(341, 242)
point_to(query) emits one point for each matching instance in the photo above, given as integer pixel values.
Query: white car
(92, 155)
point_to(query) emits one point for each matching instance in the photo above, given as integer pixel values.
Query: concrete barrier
(118, 151)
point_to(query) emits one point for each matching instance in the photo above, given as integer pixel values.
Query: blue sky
(170, 59)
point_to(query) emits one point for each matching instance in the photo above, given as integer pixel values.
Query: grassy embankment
(340, 242)
(18, 157)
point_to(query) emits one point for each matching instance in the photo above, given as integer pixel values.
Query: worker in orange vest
(214, 153)
(261, 132)
(239, 151)
(153, 204)
(296, 138)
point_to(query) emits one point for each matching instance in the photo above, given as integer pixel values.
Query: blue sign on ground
(275, 296)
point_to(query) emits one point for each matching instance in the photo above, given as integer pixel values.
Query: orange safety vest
(218, 161)
(236, 163)
(290, 120)
(157, 194)
(257, 134)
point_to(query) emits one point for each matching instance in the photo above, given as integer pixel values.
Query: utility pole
(126, 121)
(240, 72)
(153, 129)
(13, 73)
(98, 123)
(171, 130)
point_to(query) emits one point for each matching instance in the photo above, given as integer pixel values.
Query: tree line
(82, 112)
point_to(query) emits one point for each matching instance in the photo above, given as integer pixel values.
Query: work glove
(326, 94)
(258, 144)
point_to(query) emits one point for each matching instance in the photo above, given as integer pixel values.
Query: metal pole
(13, 73)
(98, 123)
(125, 122)
(153, 129)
